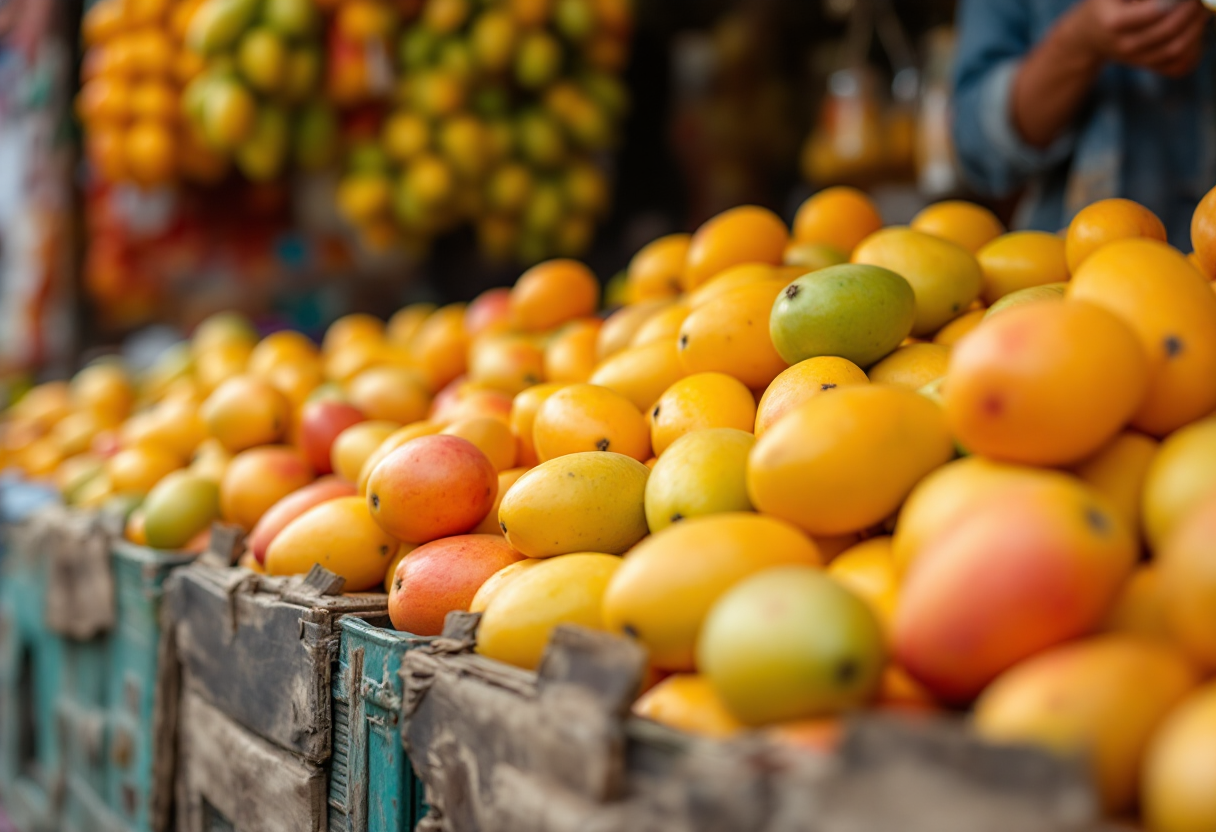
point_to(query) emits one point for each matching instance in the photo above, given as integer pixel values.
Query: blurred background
(159, 163)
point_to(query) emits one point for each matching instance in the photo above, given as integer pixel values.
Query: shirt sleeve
(994, 38)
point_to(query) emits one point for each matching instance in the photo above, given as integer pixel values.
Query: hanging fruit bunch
(257, 97)
(130, 99)
(502, 116)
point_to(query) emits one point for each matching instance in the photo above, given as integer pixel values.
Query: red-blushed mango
(791, 643)
(551, 293)
(292, 506)
(670, 580)
(803, 381)
(491, 310)
(570, 355)
(391, 443)
(431, 487)
(641, 374)
(443, 576)
(1172, 311)
(945, 277)
(1100, 699)
(844, 462)
(730, 334)
(746, 234)
(702, 472)
(353, 446)
(950, 494)
(491, 436)
(320, 423)
(1187, 567)
(1118, 471)
(256, 479)
(519, 620)
(1022, 572)
(244, 412)
(506, 362)
(699, 402)
(391, 394)
(498, 580)
(585, 417)
(1176, 791)
(339, 535)
(1021, 260)
(687, 702)
(1044, 383)
(654, 272)
(1107, 221)
(523, 416)
(583, 502)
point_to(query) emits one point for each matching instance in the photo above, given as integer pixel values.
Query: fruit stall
(874, 513)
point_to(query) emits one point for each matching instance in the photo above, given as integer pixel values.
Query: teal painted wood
(105, 704)
(30, 666)
(372, 784)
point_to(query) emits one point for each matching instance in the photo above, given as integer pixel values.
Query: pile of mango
(500, 116)
(929, 468)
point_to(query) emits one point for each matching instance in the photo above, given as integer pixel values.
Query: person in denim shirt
(1081, 100)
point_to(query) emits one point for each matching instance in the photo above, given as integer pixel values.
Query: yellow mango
(703, 472)
(1180, 476)
(641, 374)
(583, 502)
(1118, 471)
(339, 535)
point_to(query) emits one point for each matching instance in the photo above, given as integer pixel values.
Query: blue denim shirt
(1139, 135)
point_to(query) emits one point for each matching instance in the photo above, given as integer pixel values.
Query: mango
(859, 313)
(178, 508)
(1140, 608)
(1049, 292)
(1180, 477)
(621, 326)
(867, 569)
(1021, 260)
(341, 536)
(491, 436)
(577, 503)
(244, 411)
(431, 487)
(699, 402)
(321, 422)
(354, 445)
(262, 154)
(394, 441)
(1187, 568)
(290, 18)
(730, 334)
(641, 374)
(1100, 698)
(229, 113)
(843, 462)
(945, 277)
(791, 643)
(498, 580)
(702, 472)
(276, 518)
(519, 620)
(1119, 471)
(1044, 384)
(262, 59)
(444, 576)
(256, 479)
(140, 468)
(803, 381)
(585, 417)
(670, 581)
(1176, 791)
(688, 702)
(1022, 572)
(219, 23)
(912, 366)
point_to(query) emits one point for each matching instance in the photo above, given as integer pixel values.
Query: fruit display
(500, 118)
(902, 478)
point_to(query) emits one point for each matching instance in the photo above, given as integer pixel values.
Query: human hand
(1157, 35)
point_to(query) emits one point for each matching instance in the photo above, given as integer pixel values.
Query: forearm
(1052, 83)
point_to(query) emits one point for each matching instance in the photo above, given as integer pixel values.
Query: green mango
(219, 24)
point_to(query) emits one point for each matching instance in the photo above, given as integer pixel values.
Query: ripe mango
(703, 472)
(219, 23)
(498, 580)
(1049, 292)
(1187, 568)
(577, 503)
(341, 536)
(843, 462)
(1180, 477)
(791, 643)
(1176, 788)
(1100, 698)
(688, 702)
(860, 313)
(1024, 571)
(520, 618)
(669, 582)
(256, 479)
(292, 506)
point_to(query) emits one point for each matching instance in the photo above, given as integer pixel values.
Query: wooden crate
(503, 750)
(372, 786)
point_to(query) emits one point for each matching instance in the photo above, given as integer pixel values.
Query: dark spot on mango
(397, 583)
(677, 517)
(826, 386)
(530, 379)
(375, 501)
(603, 444)
(383, 551)
(683, 341)
(570, 474)
(655, 412)
(954, 307)
(630, 630)
(847, 671)
(502, 526)
(1173, 345)
(792, 291)
(1097, 520)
